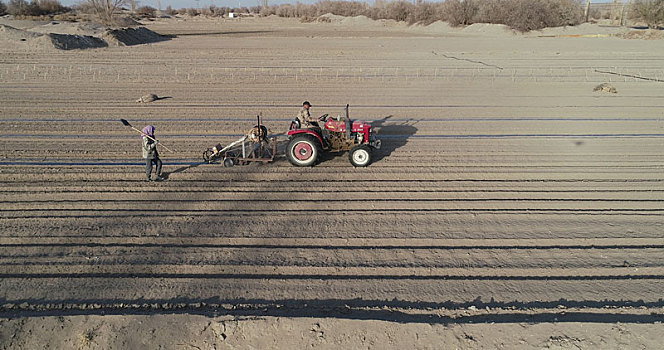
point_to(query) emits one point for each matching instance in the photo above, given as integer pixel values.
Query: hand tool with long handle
(126, 123)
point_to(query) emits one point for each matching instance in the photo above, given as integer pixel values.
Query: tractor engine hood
(340, 126)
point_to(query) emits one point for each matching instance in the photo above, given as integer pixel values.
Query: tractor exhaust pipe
(348, 124)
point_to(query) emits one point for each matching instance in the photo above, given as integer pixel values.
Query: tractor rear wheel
(303, 150)
(360, 156)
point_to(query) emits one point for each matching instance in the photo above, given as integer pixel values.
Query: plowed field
(504, 182)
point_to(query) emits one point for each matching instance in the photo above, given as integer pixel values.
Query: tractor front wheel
(360, 156)
(303, 150)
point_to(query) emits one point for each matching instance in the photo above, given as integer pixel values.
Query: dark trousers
(148, 166)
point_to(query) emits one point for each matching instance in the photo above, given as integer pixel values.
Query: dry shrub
(169, 11)
(3, 8)
(49, 7)
(68, 17)
(146, 12)
(399, 10)
(106, 10)
(297, 10)
(597, 14)
(304, 10)
(35, 8)
(493, 12)
(19, 8)
(426, 13)
(651, 12)
(308, 19)
(285, 10)
(266, 11)
(192, 12)
(84, 7)
(523, 15)
(341, 8)
(459, 13)
(214, 11)
(528, 15)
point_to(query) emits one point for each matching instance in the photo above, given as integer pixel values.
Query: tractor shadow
(393, 135)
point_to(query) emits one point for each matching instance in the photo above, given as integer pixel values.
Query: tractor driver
(305, 118)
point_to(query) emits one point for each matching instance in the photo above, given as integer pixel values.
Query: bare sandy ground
(510, 206)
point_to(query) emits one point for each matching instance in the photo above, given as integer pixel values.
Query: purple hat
(148, 130)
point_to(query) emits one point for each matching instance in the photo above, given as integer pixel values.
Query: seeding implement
(255, 146)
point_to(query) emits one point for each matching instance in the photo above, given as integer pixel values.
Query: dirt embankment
(71, 36)
(131, 36)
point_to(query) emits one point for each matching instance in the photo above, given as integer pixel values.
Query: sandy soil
(510, 206)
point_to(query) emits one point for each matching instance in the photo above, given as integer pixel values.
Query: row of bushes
(32, 8)
(210, 11)
(522, 15)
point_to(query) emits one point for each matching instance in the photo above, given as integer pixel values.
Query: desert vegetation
(32, 8)
(523, 15)
(146, 12)
(105, 9)
(650, 12)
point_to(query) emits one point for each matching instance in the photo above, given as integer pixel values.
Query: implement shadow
(165, 174)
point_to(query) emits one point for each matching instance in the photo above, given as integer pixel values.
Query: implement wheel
(208, 155)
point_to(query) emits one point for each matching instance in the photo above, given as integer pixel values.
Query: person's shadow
(392, 135)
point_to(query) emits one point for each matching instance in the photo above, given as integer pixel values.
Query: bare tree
(106, 9)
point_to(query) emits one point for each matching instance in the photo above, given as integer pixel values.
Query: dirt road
(506, 190)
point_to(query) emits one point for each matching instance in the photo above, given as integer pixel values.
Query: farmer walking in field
(150, 153)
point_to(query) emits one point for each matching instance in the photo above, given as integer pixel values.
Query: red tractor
(337, 135)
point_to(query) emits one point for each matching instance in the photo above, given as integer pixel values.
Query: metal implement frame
(256, 155)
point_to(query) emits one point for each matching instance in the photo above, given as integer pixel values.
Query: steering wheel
(323, 117)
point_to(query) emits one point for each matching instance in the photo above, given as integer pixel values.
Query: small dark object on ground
(606, 87)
